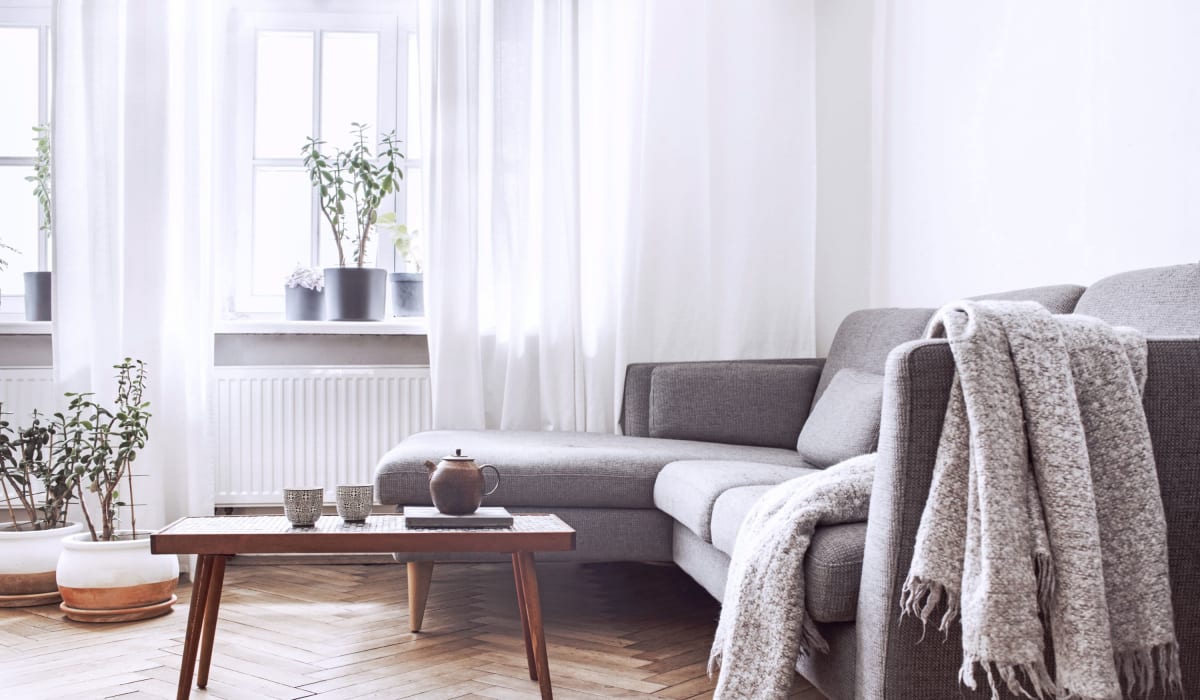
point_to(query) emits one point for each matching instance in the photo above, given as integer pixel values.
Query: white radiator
(310, 426)
(24, 389)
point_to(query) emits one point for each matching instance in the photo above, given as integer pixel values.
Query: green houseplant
(351, 184)
(37, 494)
(98, 445)
(408, 287)
(38, 284)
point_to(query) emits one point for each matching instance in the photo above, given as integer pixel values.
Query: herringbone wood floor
(333, 632)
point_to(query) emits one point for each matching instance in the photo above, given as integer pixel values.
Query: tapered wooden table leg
(191, 638)
(420, 573)
(533, 611)
(516, 562)
(216, 576)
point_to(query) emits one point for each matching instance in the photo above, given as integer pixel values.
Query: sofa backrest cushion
(1160, 301)
(844, 423)
(1058, 299)
(865, 338)
(735, 404)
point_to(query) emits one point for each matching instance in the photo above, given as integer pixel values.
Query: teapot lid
(458, 456)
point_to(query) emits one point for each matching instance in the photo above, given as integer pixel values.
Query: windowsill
(8, 327)
(397, 326)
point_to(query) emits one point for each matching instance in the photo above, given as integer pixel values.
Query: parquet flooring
(334, 632)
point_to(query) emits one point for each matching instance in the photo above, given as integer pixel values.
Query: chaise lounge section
(703, 441)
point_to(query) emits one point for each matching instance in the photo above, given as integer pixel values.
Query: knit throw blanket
(1045, 509)
(764, 626)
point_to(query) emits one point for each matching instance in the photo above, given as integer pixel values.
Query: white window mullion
(315, 231)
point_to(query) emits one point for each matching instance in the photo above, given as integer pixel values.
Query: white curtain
(132, 256)
(612, 182)
(1024, 143)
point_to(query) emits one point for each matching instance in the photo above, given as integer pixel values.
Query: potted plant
(351, 185)
(408, 287)
(305, 294)
(108, 574)
(38, 284)
(3, 247)
(31, 543)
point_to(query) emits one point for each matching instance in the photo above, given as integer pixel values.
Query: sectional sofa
(702, 441)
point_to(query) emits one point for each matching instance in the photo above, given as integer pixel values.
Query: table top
(273, 534)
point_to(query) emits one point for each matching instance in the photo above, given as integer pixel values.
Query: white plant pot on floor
(115, 581)
(28, 559)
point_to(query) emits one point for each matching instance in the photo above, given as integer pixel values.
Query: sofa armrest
(635, 402)
(896, 658)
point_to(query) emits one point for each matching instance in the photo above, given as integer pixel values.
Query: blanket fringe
(1143, 668)
(1036, 677)
(920, 597)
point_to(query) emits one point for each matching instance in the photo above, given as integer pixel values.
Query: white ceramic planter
(27, 563)
(115, 581)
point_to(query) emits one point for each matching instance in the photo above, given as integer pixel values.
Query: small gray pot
(302, 304)
(355, 293)
(408, 293)
(37, 296)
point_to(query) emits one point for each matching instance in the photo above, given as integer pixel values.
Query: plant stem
(132, 514)
(12, 513)
(86, 516)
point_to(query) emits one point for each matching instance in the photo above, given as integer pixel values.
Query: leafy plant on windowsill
(351, 185)
(307, 277)
(3, 247)
(27, 469)
(407, 243)
(41, 178)
(98, 446)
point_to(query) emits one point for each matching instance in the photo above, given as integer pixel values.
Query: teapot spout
(430, 464)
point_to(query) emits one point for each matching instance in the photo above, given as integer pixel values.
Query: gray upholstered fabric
(602, 534)
(865, 338)
(832, 568)
(1161, 301)
(554, 469)
(687, 490)
(703, 562)
(635, 401)
(832, 673)
(845, 422)
(1058, 299)
(736, 404)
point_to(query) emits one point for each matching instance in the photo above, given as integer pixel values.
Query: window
(25, 85)
(314, 73)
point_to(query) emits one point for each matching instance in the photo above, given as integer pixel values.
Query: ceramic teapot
(456, 484)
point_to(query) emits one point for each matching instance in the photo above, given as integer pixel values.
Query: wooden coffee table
(216, 539)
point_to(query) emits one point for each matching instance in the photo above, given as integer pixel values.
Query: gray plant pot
(408, 293)
(37, 296)
(301, 304)
(355, 293)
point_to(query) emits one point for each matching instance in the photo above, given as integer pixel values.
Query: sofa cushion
(687, 490)
(865, 338)
(845, 422)
(1160, 301)
(554, 468)
(742, 404)
(832, 567)
(1058, 299)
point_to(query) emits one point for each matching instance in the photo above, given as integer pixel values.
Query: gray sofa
(702, 441)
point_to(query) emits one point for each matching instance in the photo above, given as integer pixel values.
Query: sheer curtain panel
(132, 267)
(612, 182)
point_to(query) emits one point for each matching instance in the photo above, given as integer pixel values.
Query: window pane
(282, 225)
(415, 217)
(349, 85)
(20, 229)
(412, 144)
(283, 94)
(19, 86)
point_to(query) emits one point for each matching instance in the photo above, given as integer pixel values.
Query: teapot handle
(430, 465)
(493, 468)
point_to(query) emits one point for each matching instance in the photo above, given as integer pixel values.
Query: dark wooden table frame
(215, 545)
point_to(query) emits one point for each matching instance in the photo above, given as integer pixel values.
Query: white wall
(843, 105)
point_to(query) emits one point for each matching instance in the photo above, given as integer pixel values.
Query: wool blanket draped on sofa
(1044, 508)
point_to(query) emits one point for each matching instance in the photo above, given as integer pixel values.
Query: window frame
(31, 14)
(396, 24)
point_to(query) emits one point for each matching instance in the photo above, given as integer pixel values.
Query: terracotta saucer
(122, 615)
(29, 600)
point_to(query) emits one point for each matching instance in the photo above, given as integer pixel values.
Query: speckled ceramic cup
(354, 502)
(303, 506)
